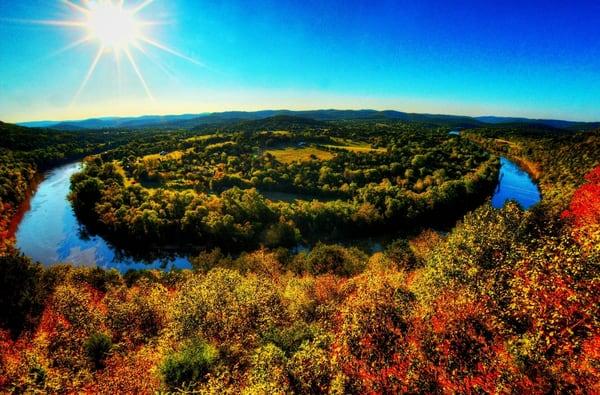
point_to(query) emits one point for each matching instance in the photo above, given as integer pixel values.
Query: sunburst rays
(115, 27)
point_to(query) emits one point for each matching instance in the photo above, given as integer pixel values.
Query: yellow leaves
(472, 271)
(268, 372)
(227, 306)
(299, 295)
(137, 315)
(74, 303)
(378, 262)
(261, 262)
(367, 214)
(425, 243)
(311, 367)
(131, 373)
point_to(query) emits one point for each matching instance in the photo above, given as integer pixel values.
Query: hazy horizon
(250, 110)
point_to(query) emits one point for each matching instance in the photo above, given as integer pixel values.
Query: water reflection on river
(515, 184)
(50, 233)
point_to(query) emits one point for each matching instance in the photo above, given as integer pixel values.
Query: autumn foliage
(584, 212)
(493, 321)
(506, 302)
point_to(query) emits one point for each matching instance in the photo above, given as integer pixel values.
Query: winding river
(515, 184)
(50, 233)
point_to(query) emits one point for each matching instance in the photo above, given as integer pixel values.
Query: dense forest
(210, 189)
(507, 301)
(26, 153)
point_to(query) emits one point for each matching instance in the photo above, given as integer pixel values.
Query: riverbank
(66, 240)
(514, 183)
(63, 238)
(532, 168)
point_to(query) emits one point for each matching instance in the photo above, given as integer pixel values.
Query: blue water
(515, 184)
(50, 233)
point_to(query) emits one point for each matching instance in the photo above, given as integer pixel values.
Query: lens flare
(114, 27)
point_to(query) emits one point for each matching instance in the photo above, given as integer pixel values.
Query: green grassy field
(291, 154)
(354, 146)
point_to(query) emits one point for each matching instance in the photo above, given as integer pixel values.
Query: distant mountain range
(190, 121)
(555, 123)
(113, 122)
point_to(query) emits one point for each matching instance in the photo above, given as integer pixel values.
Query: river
(515, 184)
(50, 233)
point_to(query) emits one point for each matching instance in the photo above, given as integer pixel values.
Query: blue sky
(525, 58)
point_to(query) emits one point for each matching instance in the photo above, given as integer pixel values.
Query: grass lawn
(171, 155)
(219, 145)
(355, 146)
(202, 137)
(276, 133)
(292, 154)
(174, 155)
(126, 180)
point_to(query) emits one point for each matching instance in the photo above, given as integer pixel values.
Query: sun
(116, 27)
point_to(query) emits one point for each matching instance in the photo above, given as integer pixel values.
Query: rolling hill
(190, 121)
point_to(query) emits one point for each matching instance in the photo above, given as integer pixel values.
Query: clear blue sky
(522, 58)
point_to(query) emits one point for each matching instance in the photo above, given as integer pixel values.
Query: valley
(319, 246)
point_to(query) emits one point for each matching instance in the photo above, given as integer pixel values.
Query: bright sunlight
(115, 27)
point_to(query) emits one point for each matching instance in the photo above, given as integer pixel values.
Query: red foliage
(466, 352)
(562, 311)
(328, 288)
(6, 353)
(50, 322)
(6, 226)
(455, 349)
(593, 177)
(584, 209)
(584, 213)
(96, 298)
(128, 374)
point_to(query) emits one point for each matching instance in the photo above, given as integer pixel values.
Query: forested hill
(554, 123)
(278, 122)
(191, 121)
(194, 120)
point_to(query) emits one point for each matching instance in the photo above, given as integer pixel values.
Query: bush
(335, 259)
(99, 278)
(400, 253)
(310, 368)
(21, 293)
(281, 234)
(133, 276)
(290, 339)
(188, 366)
(97, 348)
(224, 305)
(136, 315)
(207, 260)
(268, 374)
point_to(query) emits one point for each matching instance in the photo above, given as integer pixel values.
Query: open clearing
(354, 146)
(202, 137)
(173, 155)
(291, 154)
